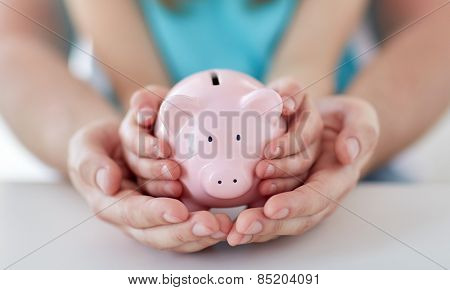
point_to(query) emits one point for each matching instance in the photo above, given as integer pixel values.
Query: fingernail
(218, 235)
(145, 115)
(289, 104)
(353, 147)
(200, 230)
(171, 219)
(101, 178)
(271, 153)
(270, 170)
(166, 172)
(281, 214)
(254, 228)
(245, 239)
(276, 152)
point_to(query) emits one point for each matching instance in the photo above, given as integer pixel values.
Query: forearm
(408, 85)
(130, 60)
(41, 101)
(313, 44)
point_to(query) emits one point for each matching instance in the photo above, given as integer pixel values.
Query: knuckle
(180, 238)
(126, 214)
(205, 243)
(153, 206)
(99, 211)
(309, 223)
(277, 227)
(321, 203)
(299, 228)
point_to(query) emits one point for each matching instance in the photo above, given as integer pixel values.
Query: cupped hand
(288, 158)
(349, 138)
(98, 172)
(146, 155)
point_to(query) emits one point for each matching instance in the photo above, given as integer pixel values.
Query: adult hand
(98, 172)
(348, 141)
(290, 156)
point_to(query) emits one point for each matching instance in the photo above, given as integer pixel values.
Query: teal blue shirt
(233, 34)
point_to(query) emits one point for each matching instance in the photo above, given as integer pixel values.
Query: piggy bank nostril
(219, 182)
(234, 180)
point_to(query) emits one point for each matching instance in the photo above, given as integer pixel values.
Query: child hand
(144, 153)
(290, 156)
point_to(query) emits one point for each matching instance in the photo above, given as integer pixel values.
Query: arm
(314, 42)
(309, 51)
(408, 80)
(41, 101)
(121, 40)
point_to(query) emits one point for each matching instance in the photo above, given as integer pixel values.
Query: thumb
(90, 159)
(291, 92)
(359, 132)
(145, 104)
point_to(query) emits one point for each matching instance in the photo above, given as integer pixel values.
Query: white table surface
(417, 215)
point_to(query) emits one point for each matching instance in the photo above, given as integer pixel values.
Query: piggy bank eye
(238, 137)
(210, 139)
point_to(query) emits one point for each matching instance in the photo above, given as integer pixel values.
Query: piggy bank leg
(192, 205)
(259, 202)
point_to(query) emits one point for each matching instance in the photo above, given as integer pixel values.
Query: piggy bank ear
(176, 112)
(262, 101)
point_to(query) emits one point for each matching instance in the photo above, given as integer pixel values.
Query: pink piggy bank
(217, 123)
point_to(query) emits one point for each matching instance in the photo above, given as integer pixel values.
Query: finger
(236, 238)
(145, 104)
(138, 211)
(201, 224)
(161, 188)
(305, 129)
(289, 166)
(359, 130)
(291, 93)
(276, 185)
(140, 141)
(224, 227)
(154, 169)
(320, 190)
(90, 163)
(254, 222)
(291, 227)
(302, 201)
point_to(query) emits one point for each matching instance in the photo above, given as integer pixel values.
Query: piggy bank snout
(226, 182)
